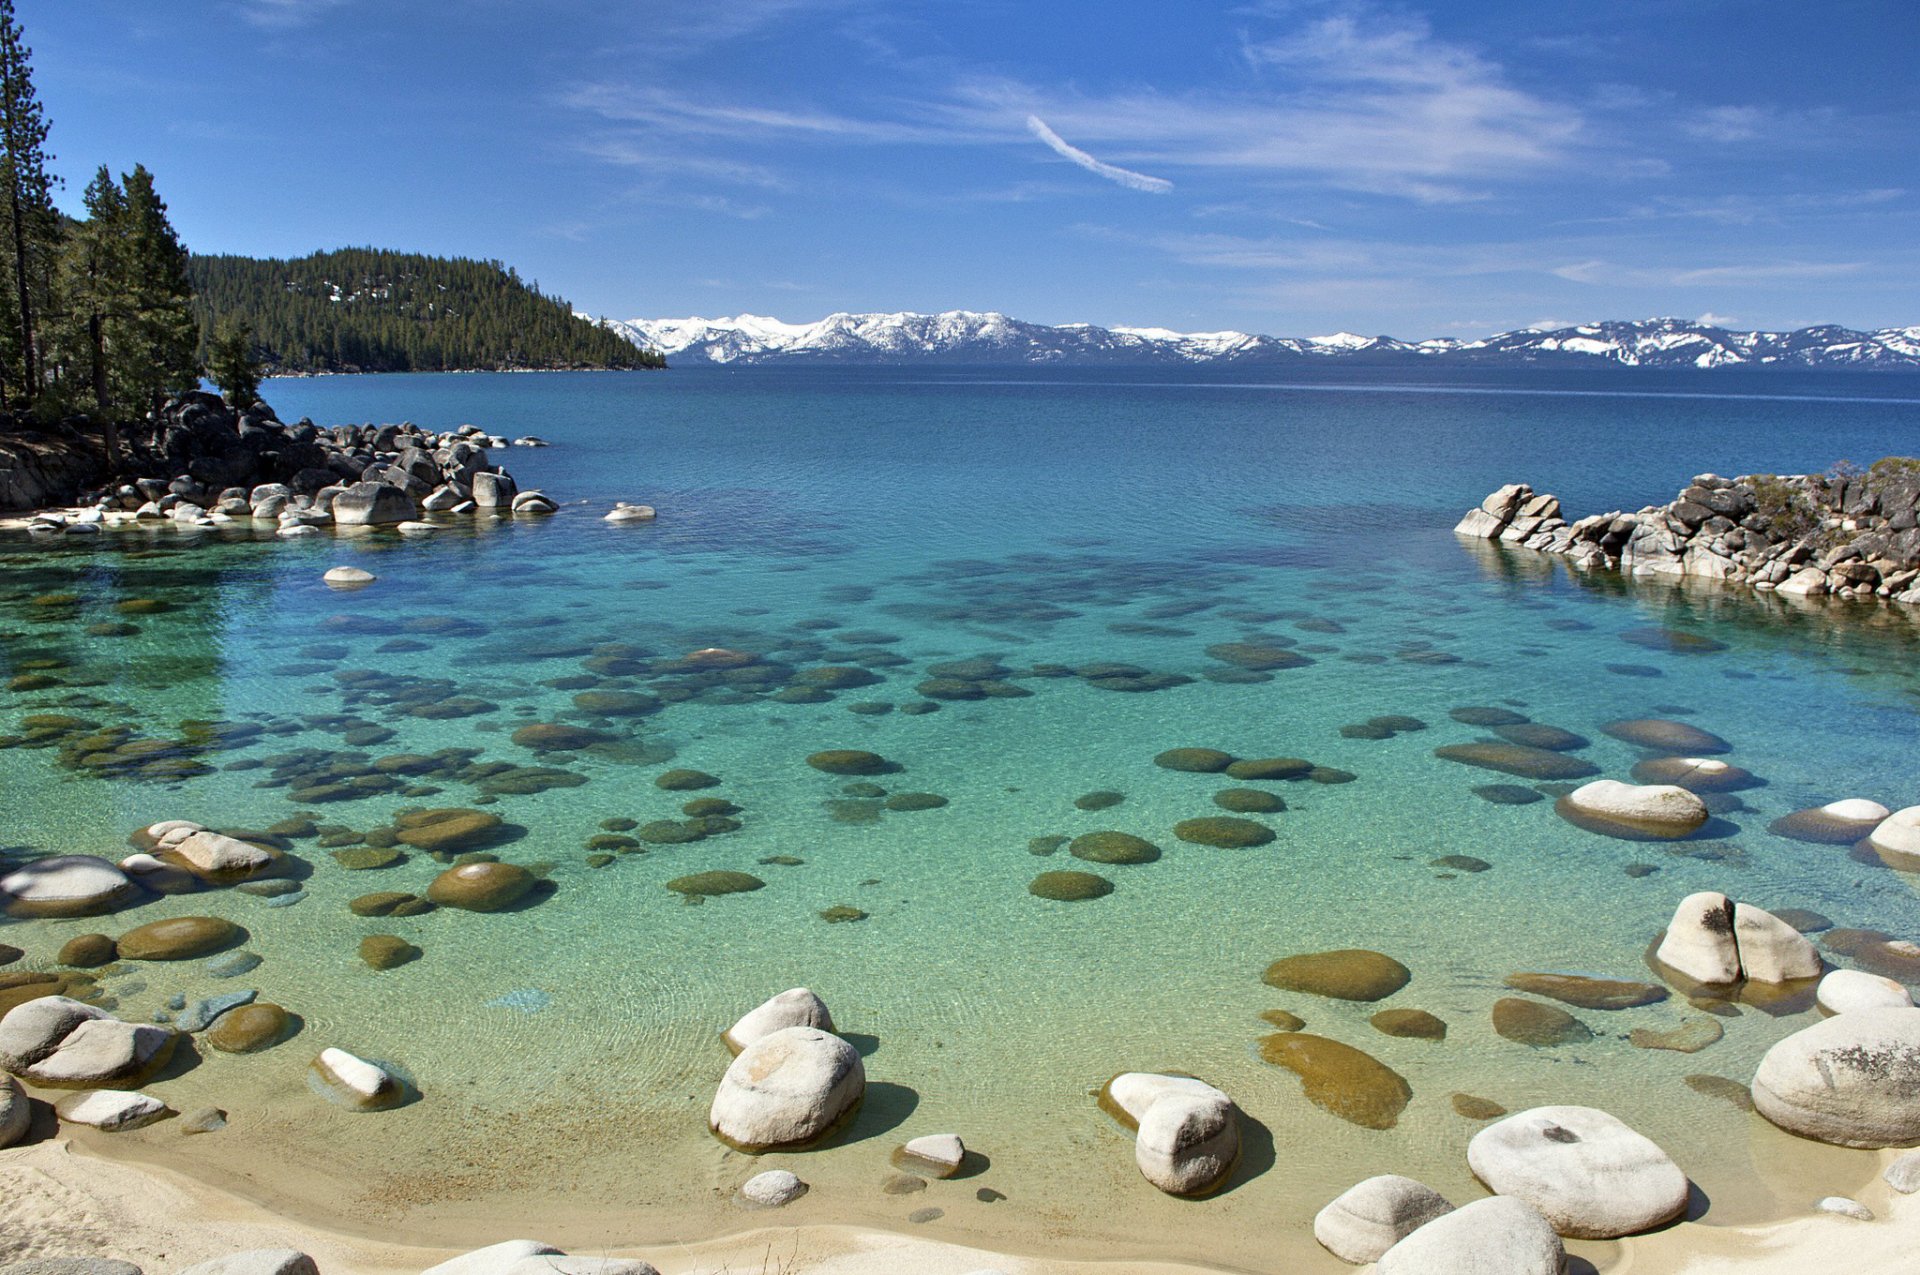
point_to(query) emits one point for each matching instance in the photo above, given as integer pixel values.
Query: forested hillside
(367, 310)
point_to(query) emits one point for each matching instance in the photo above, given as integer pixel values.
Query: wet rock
(1836, 823)
(1853, 1080)
(1536, 1025)
(705, 884)
(685, 780)
(667, 832)
(448, 830)
(203, 1012)
(1253, 770)
(1341, 1079)
(1249, 801)
(1663, 736)
(934, 1155)
(1283, 1020)
(906, 802)
(112, 1110)
(1188, 1143)
(1260, 657)
(1896, 839)
(216, 858)
(1540, 735)
(1476, 1108)
(1845, 991)
(548, 737)
(1487, 717)
(1507, 794)
(480, 887)
(795, 1007)
(1517, 759)
(1728, 1091)
(1415, 1024)
(1495, 1235)
(787, 1089)
(616, 703)
(56, 1040)
(850, 761)
(65, 885)
(1588, 993)
(1695, 774)
(1663, 811)
(1101, 800)
(88, 951)
(1223, 832)
(1690, 1037)
(355, 1083)
(1460, 863)
(1128, 1096)
(1069, 887)
(1113, 847)
(367, 858)
(1199, 761)
(1351, 974)
(250, 1028)
(180, 938)
(389, 903)
(348, 577)
(387, 951)
(1367, 1219)
(1588, 1173)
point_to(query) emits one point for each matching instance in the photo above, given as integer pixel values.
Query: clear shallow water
(891, 521)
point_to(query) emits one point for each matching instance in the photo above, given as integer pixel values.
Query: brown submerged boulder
(448, 830)
(1223, 832)
(480, 887)
(1413, 1024)
(849, 761)
(1069, 887)
(1537, 1026)
(1340, 1079)
(249, 1029)
(1348, 974)
(1588, 993)
(387, 951)
(179, 939)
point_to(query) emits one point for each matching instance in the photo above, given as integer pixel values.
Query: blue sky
(1292, 167)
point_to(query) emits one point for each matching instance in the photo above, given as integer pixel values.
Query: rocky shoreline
(204, 464)
(1850, 533)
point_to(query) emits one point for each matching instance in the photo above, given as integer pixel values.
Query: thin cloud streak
(1112, 172)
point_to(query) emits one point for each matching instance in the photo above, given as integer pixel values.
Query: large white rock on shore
(1187, 1144)
(795, 1007)
(787, 1089)
(55, 1040)
(1653, 810)
(111, 1110)
(1132, 1093)
(16, 1113)
(1367, 1219)
(1848, 991)
(65, 885)
(1700, 942)
(1588, 1173)
(1771, 951)
(1496, 1236)
(1897, 838)
(1853, 1080)
(530, 1257)
(258, 1261)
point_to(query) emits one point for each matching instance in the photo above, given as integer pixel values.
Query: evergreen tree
(232, 363)
(92, 276)
(27, 219)
(155, 353)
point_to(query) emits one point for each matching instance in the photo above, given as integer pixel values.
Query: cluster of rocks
(204, 464)
(1853, 535)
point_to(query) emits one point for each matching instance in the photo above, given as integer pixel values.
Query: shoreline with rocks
(1852, 533)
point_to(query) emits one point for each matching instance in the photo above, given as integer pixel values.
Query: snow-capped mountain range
(962, 336)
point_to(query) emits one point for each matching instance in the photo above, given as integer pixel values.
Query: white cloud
(1712, 320)
(281, 15)
(1606, 273)
(1113, 173)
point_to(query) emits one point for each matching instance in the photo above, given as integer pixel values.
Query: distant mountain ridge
(962, 336)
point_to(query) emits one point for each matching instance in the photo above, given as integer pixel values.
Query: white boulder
(111, 1110)
(348, 577)
(1367, 1219)
(1897, 838)
(1588, 1173)
(936, 1155)
(529, 1257)
(1130, 1094)
(1836, 823)
(1700, 942)
(795, 1007)
(1496, 1236)
(55, 1040)
(1842, 1206)
(1853, 1080)
(772, 1189)
(216, 857)
(1844, 991)
(1652, 810)
(1187, 1144)
(787, 1089)
(354, 1082)
(65, 885)
(16, 1113)
(623, 512)
(258, 1261)
(1903, 1175)
(1771, 951)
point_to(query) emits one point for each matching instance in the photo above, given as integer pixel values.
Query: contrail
(1126, 177)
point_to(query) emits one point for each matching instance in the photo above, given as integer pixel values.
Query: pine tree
(156, 352)
(27, 218)
(92, 276)
(232, 363)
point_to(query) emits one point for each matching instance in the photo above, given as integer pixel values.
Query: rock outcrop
(1853, 534)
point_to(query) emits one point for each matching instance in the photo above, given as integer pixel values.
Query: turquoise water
(891, 521)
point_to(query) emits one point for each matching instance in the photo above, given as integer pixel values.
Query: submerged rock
(1352, 974)
(1070, 887)
(1540, 1026)
(1836, 823)
(65, 885)
(1663, 736)
(1113, 847)
(1340, 1079)
(180, 938)
(250, 1028)
(1518, 759)
(1223, 832)
(480, 887)
(1588, 993)
(1199, 761)
(1608, 806)
(705, 884)
(850, 761)
(354, 1082)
